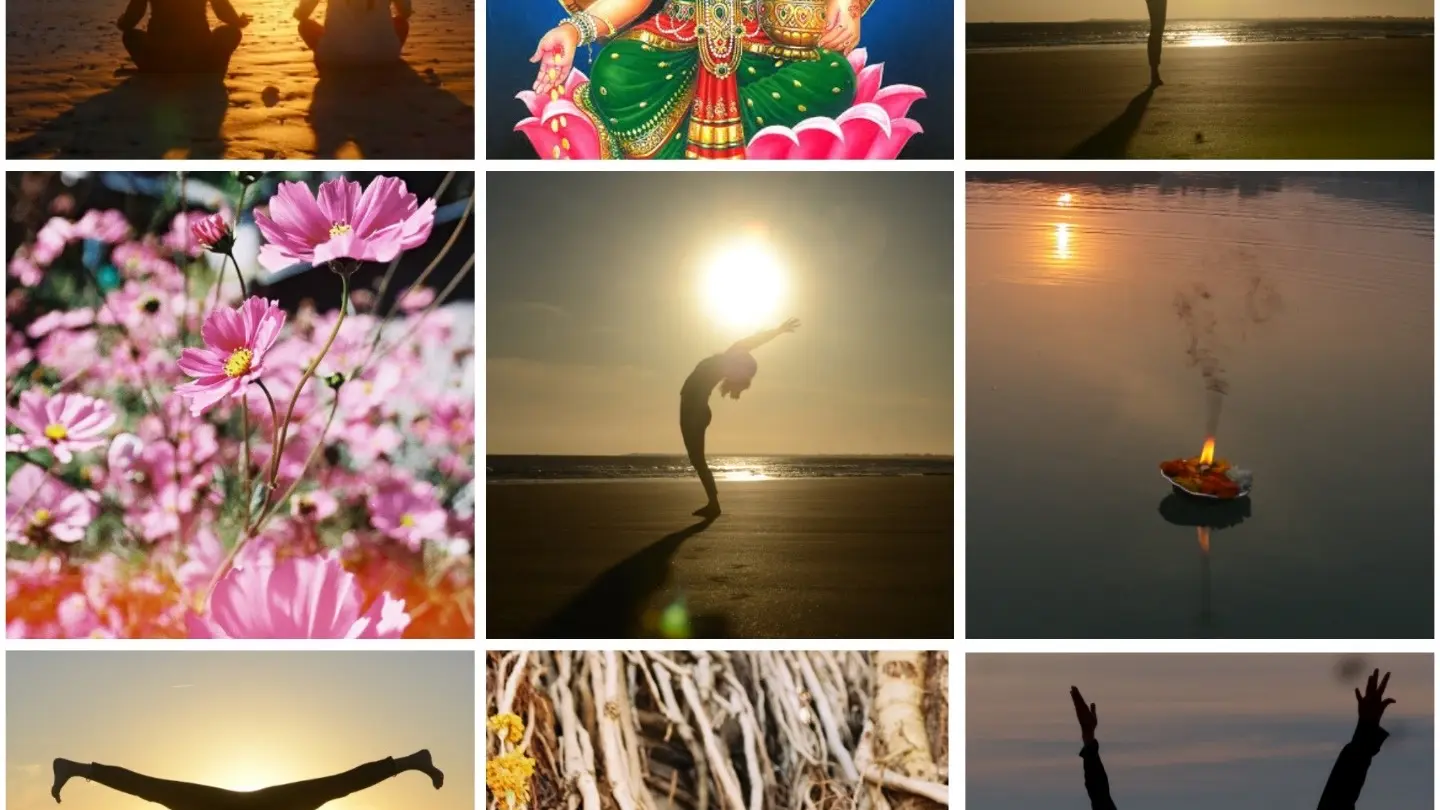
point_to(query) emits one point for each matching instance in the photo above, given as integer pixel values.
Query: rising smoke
(1199, 313)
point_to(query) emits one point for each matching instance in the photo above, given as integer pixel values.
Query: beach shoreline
(811, 558)
(1290, 100)
(71, 92)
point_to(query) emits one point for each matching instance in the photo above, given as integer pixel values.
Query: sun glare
(1207, 41)
(1062, 241)
(744, 284)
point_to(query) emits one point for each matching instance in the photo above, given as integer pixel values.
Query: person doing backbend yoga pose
(307, 795)
(356, 32)
(179, 39)
(1347, 777)
(733, 370)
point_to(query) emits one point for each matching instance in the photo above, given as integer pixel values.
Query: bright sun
(744, 284)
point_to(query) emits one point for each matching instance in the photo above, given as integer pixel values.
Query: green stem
(245, 456)
(309, 460)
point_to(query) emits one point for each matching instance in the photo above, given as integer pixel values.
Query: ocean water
(1310, 297)
(1004, 36)
(530, 469)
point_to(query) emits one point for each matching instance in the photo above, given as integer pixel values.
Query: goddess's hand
(556, 55)
(842, 26)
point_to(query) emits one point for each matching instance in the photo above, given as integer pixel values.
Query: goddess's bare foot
(64, 769)
(420, 761)
(709, 510)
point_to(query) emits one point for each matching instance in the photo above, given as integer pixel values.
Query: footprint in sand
(270, 95)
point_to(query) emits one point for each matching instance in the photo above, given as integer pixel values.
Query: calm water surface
(1320, 320)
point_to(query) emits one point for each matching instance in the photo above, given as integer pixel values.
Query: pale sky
(1191, 732)
(1068, 10)
(239, 720)
(597, 310)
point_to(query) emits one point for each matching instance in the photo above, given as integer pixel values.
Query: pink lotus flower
(64, 424)
(39, 506)
(556, 127)
(212, 233)
(343, 222)
(236, 342)
(875, 128)
(310, 597)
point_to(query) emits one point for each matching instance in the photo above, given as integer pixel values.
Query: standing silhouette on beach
(733, 371)
(307, 795)
(1347, 778)
(179, 39)
(1157, 38)
(355, 32)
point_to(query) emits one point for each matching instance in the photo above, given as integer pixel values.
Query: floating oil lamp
(1205, 476)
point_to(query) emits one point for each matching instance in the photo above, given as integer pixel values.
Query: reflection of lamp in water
(1205, 516)
(1062, 241)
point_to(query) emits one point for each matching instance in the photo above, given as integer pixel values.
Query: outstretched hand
(1372, 704)
(1086, 714)
(789, 326)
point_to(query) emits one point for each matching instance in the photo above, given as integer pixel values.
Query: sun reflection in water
(1064, 200)
(1062, 241)
(1207, 41)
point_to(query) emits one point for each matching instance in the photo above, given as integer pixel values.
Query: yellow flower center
(56, 432)
(41, 517)
(338, 228)
(239, 362)
(407, 519)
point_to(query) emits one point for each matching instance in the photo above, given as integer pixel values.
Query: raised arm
(1097, 784)
(1348, 776)
(759, 339)
(132, 15)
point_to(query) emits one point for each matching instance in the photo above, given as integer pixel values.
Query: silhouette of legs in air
(694, 419)
(209, 56)
(1157, 38)
(1347, 777)
(307, 795)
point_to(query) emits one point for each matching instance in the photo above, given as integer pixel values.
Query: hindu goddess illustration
(712, 79)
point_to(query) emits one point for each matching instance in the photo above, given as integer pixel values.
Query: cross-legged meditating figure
(356, 32)
(1157, 38)
(179, 39)
(1347, 778)
(307, 795)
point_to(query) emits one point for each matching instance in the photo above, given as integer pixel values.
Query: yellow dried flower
(508, 727)
(508, 775)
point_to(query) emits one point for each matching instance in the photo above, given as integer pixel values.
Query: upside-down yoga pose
(732, 370)
(307, 795)
(1342, 790)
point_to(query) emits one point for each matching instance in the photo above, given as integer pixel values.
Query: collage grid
(529, 198)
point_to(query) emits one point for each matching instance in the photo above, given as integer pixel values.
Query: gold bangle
(608, 24)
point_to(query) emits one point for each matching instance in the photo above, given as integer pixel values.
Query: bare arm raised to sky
(759, 339)
(1097, 784)
(1347, 778)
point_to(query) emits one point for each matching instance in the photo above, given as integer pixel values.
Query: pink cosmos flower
(342, 222)
(309, 597)
(39, 506)
(236, 342)
(64, 424)
(409, 513)
(25, 270)
(315, 505)
(211, 231)
(60, 319)
(125, 452)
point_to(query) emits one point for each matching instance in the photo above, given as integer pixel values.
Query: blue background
(914, 38)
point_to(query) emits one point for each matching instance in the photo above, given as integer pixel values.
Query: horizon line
(950, 456)
(1212, 19)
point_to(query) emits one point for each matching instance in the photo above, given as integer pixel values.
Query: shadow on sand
(1113, 140)
(389, 111)
(181, 118)
(614, 604)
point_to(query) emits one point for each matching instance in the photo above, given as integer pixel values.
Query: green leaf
(257, 498)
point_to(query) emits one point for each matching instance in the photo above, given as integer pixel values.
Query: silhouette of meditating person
(179, 39)
(733, 371)
(1347, 777)
(355, 32)
(1157, 38)
(307, 795)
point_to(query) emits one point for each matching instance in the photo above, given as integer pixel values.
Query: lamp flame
(1207, 455)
